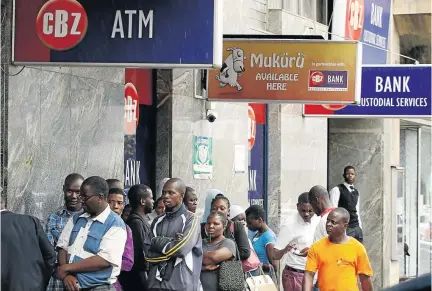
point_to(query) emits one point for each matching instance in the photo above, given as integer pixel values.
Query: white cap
(235, 210)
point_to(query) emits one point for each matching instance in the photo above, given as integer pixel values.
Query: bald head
(72, 178)
(337, 223)
(318, 191)
(319, 199)
(178, 184)
(342, 214)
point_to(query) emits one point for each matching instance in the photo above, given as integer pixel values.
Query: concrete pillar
(369, 145)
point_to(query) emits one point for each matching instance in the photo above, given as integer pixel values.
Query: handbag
(252, 263)
(262, 282)
(231, 276)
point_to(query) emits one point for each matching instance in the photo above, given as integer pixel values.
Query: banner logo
(252, 127)
(316, 78)
(61, 24)
(131, 109)
(334, 107)
(328, 80)
(355, 19)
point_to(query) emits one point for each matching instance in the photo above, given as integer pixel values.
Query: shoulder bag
(231, 276)
(252, 263)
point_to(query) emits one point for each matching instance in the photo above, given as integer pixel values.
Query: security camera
(211, 115)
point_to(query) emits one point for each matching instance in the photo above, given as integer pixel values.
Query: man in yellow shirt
(338, 258)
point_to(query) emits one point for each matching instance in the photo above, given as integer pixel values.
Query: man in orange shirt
(338, 258)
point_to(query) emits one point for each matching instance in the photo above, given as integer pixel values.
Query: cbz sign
(139, 33)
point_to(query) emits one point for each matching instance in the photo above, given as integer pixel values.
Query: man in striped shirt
(57, 220)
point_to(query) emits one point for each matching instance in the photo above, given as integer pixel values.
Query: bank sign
(387, 91)
(368, 21)
(138, 33)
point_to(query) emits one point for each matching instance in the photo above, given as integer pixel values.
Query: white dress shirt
(300, 233)
(111, 246)
(335, 195)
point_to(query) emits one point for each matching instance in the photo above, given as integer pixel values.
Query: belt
(98, 288)
(288, 268)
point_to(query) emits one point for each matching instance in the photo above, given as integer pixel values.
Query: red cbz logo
(316, 78)
(61, 24)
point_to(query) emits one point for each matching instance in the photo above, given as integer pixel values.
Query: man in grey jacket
(175, 250)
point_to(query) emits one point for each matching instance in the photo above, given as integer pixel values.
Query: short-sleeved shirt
(260, 243)
(338, 264)
(209, 279)
(299, 233)
(87, 237)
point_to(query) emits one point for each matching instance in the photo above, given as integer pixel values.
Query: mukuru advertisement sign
(270, 70)
(125, 33)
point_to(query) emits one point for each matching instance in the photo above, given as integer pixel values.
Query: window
(311, 9)
(415, 145)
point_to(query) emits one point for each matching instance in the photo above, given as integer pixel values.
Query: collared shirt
(53, 228)
(299, 233)
(56, 222)
(335, 195)
(104, 236)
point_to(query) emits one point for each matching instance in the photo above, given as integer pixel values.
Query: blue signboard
(387, 91)
(257, 123)
(128, 33)
(375, 31)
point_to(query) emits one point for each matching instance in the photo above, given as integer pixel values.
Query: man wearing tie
(346, 196)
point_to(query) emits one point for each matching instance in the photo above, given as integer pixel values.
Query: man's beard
(147, 209)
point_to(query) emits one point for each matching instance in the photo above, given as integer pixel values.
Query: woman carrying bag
(221, 270)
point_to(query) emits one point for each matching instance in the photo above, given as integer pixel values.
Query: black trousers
(133, 281)
(355, 232)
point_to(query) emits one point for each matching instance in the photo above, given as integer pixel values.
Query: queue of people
(104, 239)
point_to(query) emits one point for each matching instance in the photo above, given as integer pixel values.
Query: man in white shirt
(346, 196)
(294, 239)
(92, 244)
(320, 202)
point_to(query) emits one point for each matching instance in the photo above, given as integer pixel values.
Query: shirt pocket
(73, 236)
(93, 242)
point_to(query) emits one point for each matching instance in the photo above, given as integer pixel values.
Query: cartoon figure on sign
(232, 68)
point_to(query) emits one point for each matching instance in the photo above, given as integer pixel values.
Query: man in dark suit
(27, 256)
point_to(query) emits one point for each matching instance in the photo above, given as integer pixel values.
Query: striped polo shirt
(104, 236)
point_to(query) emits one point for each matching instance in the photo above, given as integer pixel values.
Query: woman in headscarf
(237, 213)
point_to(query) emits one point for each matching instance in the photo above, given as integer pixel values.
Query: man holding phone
(294, 240)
